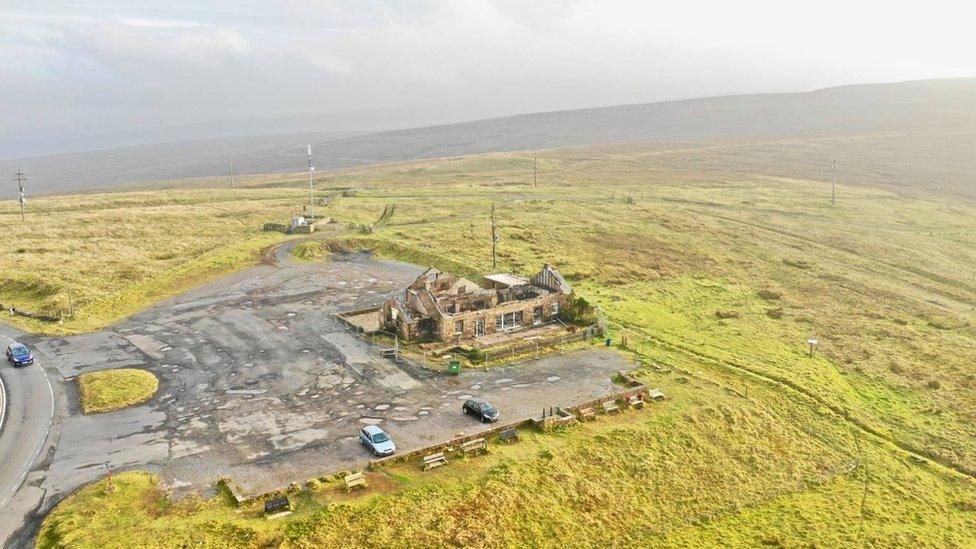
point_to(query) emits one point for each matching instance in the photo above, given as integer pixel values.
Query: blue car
(19, 354)
(377, 440)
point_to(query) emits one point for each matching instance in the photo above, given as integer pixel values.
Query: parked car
(19, 354)
(481, 409)
(377, 440)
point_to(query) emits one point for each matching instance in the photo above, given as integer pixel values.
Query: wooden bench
(433, 460)
(587, 413)
(508, 435)
(636, 401)
(355, 480)
(277, 507)
(610, 407)
(655, 394)
(474, 445)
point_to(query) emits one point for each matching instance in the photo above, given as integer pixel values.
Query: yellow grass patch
(110, 390)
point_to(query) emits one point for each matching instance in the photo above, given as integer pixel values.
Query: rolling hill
(942, 110)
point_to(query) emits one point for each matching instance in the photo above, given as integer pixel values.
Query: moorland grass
(758, 444)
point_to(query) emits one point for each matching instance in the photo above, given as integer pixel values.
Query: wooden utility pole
(19, 178)
(71, 302)
(535, 170)
(494, 239)
(230, 164)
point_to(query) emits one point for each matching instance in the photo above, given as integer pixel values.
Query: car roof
(477, 400)
(16, 345)
(373, 429)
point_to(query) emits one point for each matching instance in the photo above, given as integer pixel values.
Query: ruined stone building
(444, 307)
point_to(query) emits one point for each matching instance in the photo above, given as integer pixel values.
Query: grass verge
(110, 390)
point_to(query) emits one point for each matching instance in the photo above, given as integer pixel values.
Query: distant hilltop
(947, 105)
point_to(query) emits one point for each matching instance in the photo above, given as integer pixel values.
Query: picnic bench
(277, 507)
(610, 407)
(636, 401)
(433, 460)
(508, 435)
(355, 480)
(587, 413)
(655, 394)
(474, 445)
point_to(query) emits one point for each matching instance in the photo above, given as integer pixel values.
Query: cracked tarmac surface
(260, 383)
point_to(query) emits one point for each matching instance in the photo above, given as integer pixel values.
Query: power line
(19, 178)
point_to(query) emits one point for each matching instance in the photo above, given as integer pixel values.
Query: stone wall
(446, 329)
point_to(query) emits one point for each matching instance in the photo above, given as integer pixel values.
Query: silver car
(377, 440)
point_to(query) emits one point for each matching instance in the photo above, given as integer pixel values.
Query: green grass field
(104, 257)
(718, 279)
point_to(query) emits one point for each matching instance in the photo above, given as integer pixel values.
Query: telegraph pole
(311, 192)
(71, 302)
(19, 178)
(230, 164)
(494, 239)
(535, 170)
(833, 182)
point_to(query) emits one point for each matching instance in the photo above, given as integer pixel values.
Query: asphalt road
(28, 412)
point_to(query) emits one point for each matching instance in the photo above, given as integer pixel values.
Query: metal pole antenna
(833, 182)
(535, 171)
(311, 192)
(19, 178)
(230, 164)
(494, 239)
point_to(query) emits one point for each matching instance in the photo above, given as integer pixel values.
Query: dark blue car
(19, 354)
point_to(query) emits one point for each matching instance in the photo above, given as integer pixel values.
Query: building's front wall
(447, 327)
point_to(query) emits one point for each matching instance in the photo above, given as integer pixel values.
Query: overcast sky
(110, 65)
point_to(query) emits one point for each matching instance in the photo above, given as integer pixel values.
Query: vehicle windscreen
(380, 437)
(19, 352)
(487, 409)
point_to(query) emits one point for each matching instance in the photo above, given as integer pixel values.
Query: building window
(537, 315)
(555, 309)
(517, 321)
(458, 327)
(479, 327)
(499, 323)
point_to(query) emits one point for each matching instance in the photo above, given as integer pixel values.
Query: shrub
(770, 295)
(726, 314)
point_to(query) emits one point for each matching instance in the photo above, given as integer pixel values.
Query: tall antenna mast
(494, 239)
(311, 192)
(19, 178)
(833, 182)
(535, 171)
(230, 163)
